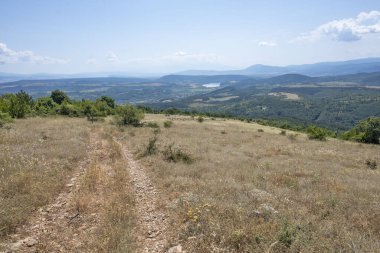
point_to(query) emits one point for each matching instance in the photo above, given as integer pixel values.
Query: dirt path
(58, 227)
(153, 235)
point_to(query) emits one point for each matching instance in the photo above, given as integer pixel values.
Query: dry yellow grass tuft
(37, 155)
(250, 191)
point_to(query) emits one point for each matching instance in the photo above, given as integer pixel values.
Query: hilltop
(186, 184)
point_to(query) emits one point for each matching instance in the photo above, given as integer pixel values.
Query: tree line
(21, 105)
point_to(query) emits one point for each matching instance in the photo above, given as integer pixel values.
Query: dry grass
(248, 191)
(37, 155)
(105, 189)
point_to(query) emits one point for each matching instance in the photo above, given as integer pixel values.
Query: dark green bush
(367, 131)
(59, 96)
(316, 133)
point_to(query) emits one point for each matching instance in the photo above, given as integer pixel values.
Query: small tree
(129, 115)
(59, 96)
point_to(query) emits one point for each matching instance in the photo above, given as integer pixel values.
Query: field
(250, 189)
(219, 186)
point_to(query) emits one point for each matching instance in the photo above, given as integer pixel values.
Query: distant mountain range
(366, 65)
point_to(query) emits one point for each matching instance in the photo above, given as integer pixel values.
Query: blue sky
(162, 36)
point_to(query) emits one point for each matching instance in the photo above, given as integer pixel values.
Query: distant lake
(211, 85)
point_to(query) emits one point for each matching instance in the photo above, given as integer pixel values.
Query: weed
(168, 123)
(283, 132)
(287, 234)
(260, 130)
(151, 148)
(172, 154)
(371, 164)
(200, 119)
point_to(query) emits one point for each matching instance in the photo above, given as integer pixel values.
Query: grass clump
(283, 132)
(200, 119)
(152, 125)
(168, 123)
(260, 130)
(176, 154)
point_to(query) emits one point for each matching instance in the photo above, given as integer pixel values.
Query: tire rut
(153, 234)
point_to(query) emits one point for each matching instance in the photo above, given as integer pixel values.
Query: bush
(172, 154)
(260, 130)
(200, 119)
(129, 115)
(168, 123)
(316, 133)
(367, 131)
(283, 132)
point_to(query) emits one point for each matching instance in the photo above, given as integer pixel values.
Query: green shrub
(283, 132)
(367, 131)
(168, 123)
(316, 133)
(4, 119)
(129, 115)
(172, 154)
(200, 119)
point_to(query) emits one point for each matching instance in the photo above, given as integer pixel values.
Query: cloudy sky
(142, 36)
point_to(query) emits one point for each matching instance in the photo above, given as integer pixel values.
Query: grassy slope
(36, 157)
(248, 189)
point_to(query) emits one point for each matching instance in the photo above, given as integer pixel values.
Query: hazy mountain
(366, 65)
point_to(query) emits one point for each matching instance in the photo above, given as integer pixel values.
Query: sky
(164, 36)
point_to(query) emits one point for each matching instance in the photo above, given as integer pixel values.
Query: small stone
(176, 249)
(30, 241)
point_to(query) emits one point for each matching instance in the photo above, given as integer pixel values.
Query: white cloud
(112, 57)
(267, 44)
(351, 29)
(8, 55)
(180, 53)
